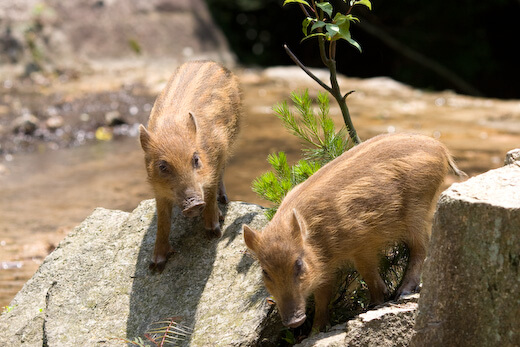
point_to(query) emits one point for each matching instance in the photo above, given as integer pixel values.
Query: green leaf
(280, 165)
(323, 144)
(323, 102)
(332, 30)
(305, 24)
(367, 3)
(344, 29)
(339, 18)
(344, 33)
(325, 7)
(318, 24)
(312, 35)
(269, 213)
(353, 43)
(352, 18)
(298, 1)
(343, 23)
(303, 170)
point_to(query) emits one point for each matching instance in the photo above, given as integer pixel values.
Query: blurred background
(465, 46)
(77, 77)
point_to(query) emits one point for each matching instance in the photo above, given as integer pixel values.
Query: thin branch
(349, 9)
(347, 94)
(304, 10)
(318, 14)
(323, 55)
(305, 69)
(334, 80)
(332, 54)
(336, 93)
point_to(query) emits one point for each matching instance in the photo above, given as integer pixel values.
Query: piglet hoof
(220, 216)
(157, 267)
(223, 199)
(402, 292)
(375, 305)
(159, 263)
(214, 233)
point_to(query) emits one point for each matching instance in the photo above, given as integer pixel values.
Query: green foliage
(353, 296)
(288, 337)
(322, 23)
(329, 25)
(274, 185)
(393, 265)
(318, 132)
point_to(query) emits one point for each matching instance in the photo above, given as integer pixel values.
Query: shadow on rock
(212, 286)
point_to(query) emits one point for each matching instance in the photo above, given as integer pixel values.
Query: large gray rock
(389, 325)
(471, 281)
(96, 286)
(66, 32)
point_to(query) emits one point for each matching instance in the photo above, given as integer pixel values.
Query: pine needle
(323, 144)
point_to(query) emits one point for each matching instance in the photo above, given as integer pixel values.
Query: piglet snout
(294, 321)
(193, 207)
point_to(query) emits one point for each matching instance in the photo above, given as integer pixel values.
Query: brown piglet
(378, 193)
(192, 127)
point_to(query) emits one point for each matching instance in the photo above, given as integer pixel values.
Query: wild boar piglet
(192, 127)
(378, 193)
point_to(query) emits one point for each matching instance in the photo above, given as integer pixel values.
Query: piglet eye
(196, 161)
(266, 275)
(298, 267)
(163, 167)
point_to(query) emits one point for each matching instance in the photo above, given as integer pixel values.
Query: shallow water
(44, 194)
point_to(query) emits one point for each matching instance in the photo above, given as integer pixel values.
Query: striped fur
(191, 131)
(380, 192)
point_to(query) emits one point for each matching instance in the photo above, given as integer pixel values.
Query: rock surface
(388, 325)
(96, 286)
(513, 157)
(471, 281)
(67, 32)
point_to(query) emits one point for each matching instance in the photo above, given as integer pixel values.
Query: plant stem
(306, 70)
(334, 91)
(323, 55)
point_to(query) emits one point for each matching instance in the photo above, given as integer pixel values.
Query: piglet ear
(299, 229)
(251, 238)
(192, 123)
(145, 138)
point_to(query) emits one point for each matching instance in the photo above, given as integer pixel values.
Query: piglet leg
(412, 277)
(369, 270)
(163, 250)
(211, 214)
(322, 297)
(222, 196)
